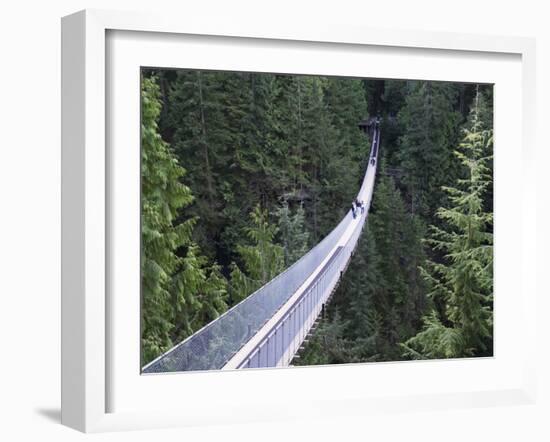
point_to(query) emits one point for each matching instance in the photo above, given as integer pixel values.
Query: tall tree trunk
(315, 226)
(299, 141)
(207, 168)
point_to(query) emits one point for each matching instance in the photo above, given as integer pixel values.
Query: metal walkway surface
(268, 327)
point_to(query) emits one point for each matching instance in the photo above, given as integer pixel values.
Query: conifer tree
(380, 299)
(431, 127)
(206, 112)
(162, 196)
(175, 290)
(262, 259)
(461, 287)
(328, 345)
(398, 296)
(199, 293)
(342, 151)
(250, 140)
(292, 233)
(357, 296)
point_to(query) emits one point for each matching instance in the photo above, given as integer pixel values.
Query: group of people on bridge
(356, 206)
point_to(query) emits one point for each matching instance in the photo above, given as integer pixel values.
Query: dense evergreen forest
(242, 173)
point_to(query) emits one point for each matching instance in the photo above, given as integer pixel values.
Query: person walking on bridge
(353, 209)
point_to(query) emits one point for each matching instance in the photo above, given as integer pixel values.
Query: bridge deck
(267, 328)
(279, 344)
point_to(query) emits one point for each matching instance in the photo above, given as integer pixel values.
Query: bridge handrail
(214, 344)
(325, 242)
(282, 345)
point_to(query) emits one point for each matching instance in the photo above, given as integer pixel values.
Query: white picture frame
(87, 318)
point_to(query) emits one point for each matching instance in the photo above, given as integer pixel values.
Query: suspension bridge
(269, 327)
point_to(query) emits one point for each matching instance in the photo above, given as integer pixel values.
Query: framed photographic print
(283, 222)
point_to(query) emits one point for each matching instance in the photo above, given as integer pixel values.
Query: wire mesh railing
(214, 345)
(287, 335)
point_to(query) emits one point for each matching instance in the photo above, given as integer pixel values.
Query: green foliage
(461, 287)
(163, 195)
(247, 141)
(380, 299)
(328, 345)
(262, 258)
(431, 129)
(292, 233)
(251, 141)
(435, 341)
(178, 292)
(199, 291)
(357, 296)
(340, 153)
(394, 295)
